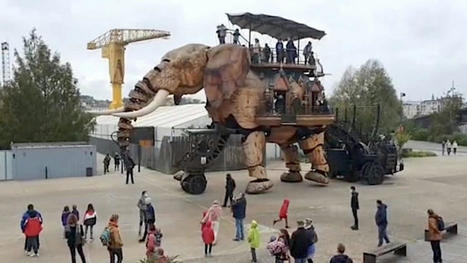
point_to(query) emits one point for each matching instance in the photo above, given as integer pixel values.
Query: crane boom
(126, 36)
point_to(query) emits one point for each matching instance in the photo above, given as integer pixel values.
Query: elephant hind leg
(314, 150)
(254, 150)
(292, 162)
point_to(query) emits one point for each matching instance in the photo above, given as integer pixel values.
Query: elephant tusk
(107, 112)
(159, 99)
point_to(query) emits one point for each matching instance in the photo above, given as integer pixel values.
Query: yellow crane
(113, 44)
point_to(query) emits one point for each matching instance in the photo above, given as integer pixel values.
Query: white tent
(166, 120)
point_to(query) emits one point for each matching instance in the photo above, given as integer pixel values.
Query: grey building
(28, 161)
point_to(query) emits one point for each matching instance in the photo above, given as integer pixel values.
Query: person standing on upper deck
(291, 51)
(307, 52)
(280, 51)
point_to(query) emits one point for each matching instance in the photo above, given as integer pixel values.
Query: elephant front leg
(254, 150)
(314, 150)
(292, 162)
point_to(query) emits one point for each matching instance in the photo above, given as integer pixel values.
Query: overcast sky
(421, 43)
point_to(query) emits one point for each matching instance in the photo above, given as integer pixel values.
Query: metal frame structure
(6, 73)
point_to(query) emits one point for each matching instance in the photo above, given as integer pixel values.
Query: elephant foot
(292, 177)
(258, 186)
(317, 177)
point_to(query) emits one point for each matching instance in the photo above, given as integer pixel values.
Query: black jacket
(230, 185)
(74, 238)
(299, 243)
(341, 259)
(354, 201)
(239, 208)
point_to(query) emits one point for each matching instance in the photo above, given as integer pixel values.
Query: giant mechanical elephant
(235, 96)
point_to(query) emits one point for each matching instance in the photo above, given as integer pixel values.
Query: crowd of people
(448, 147)
(288, 53)
(300, 245)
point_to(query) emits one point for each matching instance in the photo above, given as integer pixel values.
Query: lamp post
(402, 94)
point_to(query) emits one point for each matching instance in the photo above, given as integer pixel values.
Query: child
(65, 214)
(283, 213)
(90, 219)
(154, 241)
(208, 238)
(253, 239)
(75, 211)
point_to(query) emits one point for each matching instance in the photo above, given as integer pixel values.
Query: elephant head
(186, 70)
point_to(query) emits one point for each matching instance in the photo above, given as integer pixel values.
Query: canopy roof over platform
(275, 26)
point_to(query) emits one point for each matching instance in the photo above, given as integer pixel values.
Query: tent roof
(275, 26)
(165, 116)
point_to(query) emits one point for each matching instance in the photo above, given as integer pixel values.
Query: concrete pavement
(436, 182)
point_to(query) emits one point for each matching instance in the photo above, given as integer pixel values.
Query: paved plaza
(436, 182)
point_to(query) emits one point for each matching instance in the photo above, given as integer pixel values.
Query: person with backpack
(150, 216)
(229, 189)
(254, 239)
(142, 210)
(207, 234)
(65, 215)
(300, 242)
(435, 226)
(239, 212)
(90, 219)
(153, 242)
(354, 204)
(74, 236)
(32, 229)
(382, 222)
(283, 213)
(112, 239)
(314, 239)
(341, 257)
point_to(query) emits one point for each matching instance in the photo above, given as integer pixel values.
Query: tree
(41, 103)
(444, 122)
(366, 87)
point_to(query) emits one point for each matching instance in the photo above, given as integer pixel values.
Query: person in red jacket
(33, 226)
(208, 238)
(283, 213)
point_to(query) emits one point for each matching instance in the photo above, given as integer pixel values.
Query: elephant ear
(225, 72)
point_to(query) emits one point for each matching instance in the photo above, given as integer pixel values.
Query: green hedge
(417, 154)
(424, 135)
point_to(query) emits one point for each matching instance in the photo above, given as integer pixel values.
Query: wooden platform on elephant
(300, 120)
(285, 66)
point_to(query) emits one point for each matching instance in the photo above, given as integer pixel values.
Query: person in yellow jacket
(254, 239)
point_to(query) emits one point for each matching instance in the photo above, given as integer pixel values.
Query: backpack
(440, 223)
(105, 237)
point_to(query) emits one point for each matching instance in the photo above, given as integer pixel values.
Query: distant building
(413, 109)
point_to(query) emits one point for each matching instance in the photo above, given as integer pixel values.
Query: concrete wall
(6, 165)
(52, 161)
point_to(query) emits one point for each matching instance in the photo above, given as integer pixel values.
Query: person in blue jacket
(239, 213)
